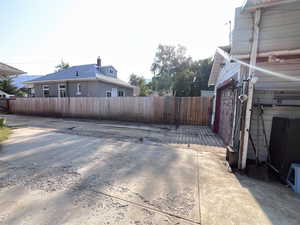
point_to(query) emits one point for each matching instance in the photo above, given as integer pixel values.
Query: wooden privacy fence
(174, 110)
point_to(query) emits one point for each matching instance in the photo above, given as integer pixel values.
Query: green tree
(22, 92)
(139, 81)
(176, 73)
(202, 69)
(183, 81)
(135, 80)
(7, 86)
(166, 64)
(172, 70)
(63, 65)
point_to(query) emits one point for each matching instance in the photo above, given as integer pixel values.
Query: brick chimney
(99, 62)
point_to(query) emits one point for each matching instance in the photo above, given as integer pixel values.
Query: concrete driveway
(55, 171)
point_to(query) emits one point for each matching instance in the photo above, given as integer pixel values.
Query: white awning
(6, 70)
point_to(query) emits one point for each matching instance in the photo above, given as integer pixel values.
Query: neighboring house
(258, 76)
(92, 80)
(19, 80)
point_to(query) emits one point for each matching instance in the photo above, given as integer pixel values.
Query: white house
(257, 77)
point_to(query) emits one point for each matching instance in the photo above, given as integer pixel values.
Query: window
(111, 71)
(121, 93)
(31, 92)
(114, 92)
(78, 89)
(108, 94)
(62, 90)
(46, 91)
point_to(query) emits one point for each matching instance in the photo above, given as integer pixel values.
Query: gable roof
(217, 64)
(81, 72)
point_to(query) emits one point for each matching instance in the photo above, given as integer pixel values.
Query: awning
(6, 70)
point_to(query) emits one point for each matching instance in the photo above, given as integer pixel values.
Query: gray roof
(84, 71)
(89, 71)
(19, 80)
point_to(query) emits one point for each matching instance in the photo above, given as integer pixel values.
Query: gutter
(265, 5)
(77, 79)
(55, 81)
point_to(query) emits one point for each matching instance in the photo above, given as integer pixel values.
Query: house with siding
(91, 80)
(257, 77)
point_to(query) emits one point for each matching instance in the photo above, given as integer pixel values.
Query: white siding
(269, 97)
(280, 29)
(271, 82)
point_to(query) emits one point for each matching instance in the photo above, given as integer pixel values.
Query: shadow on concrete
(278, 202)
(82, 172)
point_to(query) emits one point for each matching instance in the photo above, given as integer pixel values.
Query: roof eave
(245, 8)
(77, 79)
(55, 81)
(112, 82)
(6, 70)
(217, 66)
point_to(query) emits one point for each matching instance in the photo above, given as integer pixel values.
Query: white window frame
(106, 94)
(46, 88)
(62, 89)
(114, 92)
(78, 92)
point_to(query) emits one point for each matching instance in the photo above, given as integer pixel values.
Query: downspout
(213, 107)
(244, 146)
(235, 99)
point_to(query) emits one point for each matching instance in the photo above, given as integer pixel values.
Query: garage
(224, 112)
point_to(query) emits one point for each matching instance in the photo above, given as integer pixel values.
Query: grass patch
(4, 133)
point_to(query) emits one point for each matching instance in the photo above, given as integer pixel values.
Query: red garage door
(224, 113)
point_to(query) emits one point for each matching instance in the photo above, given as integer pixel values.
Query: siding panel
(280, 29)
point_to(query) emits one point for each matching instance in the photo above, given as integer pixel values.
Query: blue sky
(37, 34)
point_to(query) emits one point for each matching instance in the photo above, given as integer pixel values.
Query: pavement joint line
(146, 207)
(198, 183)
